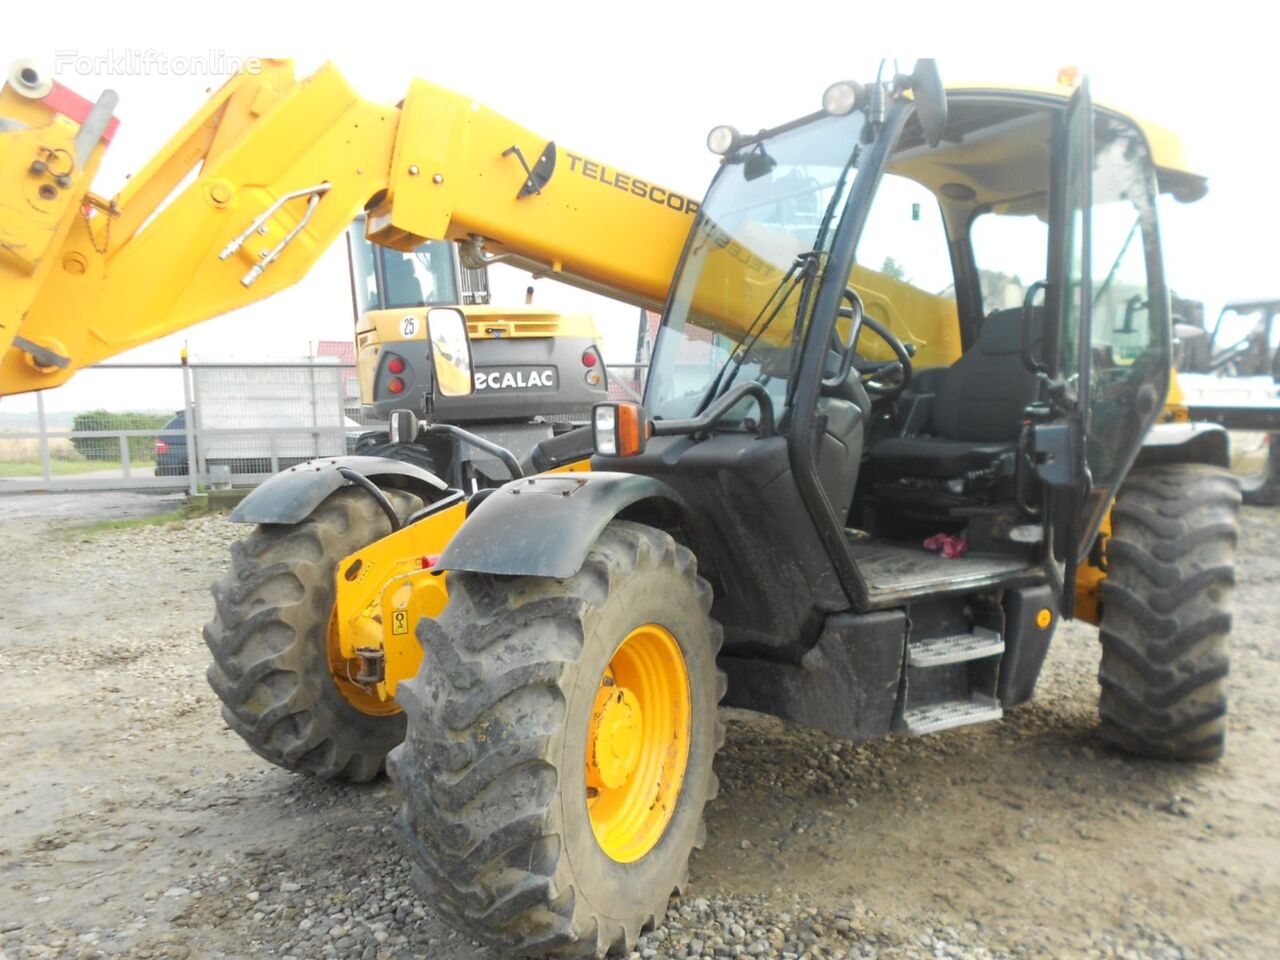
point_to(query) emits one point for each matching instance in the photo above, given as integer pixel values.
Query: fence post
(340, 388)
(46, 468)
(202, 455)
(124, 456)
(315, 408)
(188, 416)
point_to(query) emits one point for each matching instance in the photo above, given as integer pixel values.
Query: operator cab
(939, 425)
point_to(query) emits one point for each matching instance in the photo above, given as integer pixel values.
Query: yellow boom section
(277, 169)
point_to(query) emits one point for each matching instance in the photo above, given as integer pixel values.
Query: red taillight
(589, 358)
(161, 448)
(395, 385)
(396, 364)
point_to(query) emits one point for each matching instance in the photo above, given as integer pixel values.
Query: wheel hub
(615, 738)
(638, 739)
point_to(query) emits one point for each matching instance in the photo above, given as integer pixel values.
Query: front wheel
(560, 744)
(277, 666)
(1166, 614)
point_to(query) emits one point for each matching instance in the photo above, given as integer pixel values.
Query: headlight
(843, 97)
(620, 429)
(722, 139)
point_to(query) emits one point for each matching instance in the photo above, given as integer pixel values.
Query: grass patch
(62, 468)
(174, 517)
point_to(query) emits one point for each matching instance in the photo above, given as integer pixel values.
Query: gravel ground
(136, 825)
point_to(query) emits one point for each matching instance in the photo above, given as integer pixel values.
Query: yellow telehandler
(860, 493)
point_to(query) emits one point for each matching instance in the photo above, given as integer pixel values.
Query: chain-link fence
(186, 427)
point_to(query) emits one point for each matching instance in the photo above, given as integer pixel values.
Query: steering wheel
(883, 378)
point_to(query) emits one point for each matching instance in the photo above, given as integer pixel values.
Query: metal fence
(186, 427)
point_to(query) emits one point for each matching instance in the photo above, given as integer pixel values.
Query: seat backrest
(981, 397)
(845, 408)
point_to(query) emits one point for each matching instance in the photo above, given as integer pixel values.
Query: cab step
(951, 713)
(940, 651)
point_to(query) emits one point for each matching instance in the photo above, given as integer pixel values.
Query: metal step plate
(952, 713)
(939, 651)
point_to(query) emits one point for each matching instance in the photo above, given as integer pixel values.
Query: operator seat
(845, 408)
(976, 411)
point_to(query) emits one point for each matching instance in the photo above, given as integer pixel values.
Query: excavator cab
(532, 363)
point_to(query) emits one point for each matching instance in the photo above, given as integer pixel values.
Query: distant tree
(108, 448)
(892, 268)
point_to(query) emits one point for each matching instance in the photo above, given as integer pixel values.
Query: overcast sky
(638, 86)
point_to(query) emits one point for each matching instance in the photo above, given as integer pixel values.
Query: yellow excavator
(860, 492)
(538, 372)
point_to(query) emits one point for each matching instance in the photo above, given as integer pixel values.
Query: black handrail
(1028, 313)
(488, 446)
(716, 411)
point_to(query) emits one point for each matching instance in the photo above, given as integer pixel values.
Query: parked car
(171, 448)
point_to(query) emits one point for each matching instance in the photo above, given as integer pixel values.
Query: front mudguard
(292, 495)
(544, 526)
(1180, 442)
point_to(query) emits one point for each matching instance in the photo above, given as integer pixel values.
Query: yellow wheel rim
(364, 699)
(638, 743)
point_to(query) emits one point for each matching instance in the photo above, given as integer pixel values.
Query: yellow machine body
(386, 587)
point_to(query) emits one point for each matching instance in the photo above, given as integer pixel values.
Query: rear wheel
(277, 667)
(377, 445)
(1166, 616)
(560, 745)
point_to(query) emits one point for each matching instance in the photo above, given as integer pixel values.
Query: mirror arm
(480, 443)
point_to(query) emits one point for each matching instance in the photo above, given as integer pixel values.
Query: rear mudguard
(291, 495)
(544, 526)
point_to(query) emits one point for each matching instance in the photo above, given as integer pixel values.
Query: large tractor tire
(560, 747)
(276, 665)
(1166, 615)
(377, 445)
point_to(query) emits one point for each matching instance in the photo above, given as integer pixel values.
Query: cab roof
(1175, 172)
(997, 144)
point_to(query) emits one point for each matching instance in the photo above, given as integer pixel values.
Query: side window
(904, 237)
(1011, 253)
(904, 272)
(419, 278)
(363, 279)
(1123, 327)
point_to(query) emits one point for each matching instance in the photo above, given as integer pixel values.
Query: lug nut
(38, 167)
(62, 180)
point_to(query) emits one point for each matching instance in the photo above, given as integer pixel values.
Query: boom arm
(276, 169)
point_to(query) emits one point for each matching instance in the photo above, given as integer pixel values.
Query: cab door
(1109, 330)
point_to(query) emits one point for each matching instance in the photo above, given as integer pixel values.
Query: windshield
(739, 307)
(390, 279)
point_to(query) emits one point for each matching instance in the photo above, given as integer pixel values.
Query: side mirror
(758, 164)
(403, 426)
(931, 100)
(450, 352)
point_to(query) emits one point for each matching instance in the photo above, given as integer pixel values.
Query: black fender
(1181, 442)
(291, 495)
(544, 526)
